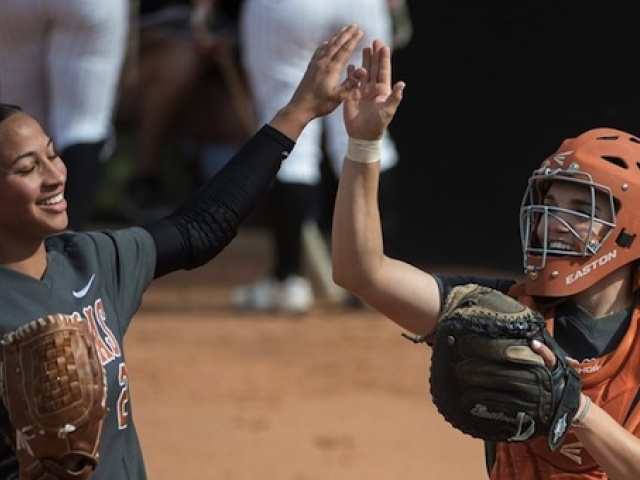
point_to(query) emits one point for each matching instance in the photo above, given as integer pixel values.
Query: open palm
(369, 109)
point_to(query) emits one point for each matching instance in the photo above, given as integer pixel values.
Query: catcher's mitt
(54, 388)
(485, 379)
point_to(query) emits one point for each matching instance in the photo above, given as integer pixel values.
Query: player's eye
(25, 168)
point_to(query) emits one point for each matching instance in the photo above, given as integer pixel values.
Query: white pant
(60, 60)
(278, 38)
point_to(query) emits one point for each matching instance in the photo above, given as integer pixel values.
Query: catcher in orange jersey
(580, 226)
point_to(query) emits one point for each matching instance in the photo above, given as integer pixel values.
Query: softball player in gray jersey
(61, 62)
(101, 276)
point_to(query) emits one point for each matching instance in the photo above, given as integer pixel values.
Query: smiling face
(32, 181)
(575, 221)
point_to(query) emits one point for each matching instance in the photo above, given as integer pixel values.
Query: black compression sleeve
(203, 225)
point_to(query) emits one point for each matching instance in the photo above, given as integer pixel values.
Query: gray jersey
(99, 276)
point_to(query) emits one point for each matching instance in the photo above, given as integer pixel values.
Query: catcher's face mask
(578, 219)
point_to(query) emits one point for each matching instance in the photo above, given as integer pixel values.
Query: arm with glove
(497, 375)
(615, 449)
(485, 378)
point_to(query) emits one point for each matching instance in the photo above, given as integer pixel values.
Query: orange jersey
(613, 383)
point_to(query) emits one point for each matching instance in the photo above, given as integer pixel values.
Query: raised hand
(320, 90)
(369, 109)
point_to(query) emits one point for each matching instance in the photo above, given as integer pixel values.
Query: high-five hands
(370, 102)
(320, 90)
(369, 108)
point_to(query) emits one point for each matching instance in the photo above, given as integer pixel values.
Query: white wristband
(579, 418)
(363, 151)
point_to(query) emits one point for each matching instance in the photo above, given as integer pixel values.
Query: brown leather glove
(486, 380)
(54, 388)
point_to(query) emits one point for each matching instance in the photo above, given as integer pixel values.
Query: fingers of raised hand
(396, 95)
(366, 62)
(342, 44)
(351, 82)
(355, 76)
(378, 59)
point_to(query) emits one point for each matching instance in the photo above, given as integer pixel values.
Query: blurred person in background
(276, 38)
(187, 87)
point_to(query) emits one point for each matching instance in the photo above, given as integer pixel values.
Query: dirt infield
(334, 395)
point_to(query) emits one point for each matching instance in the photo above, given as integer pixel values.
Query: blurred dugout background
(493, 87)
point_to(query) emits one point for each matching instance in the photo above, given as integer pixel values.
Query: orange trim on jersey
(612, 382)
